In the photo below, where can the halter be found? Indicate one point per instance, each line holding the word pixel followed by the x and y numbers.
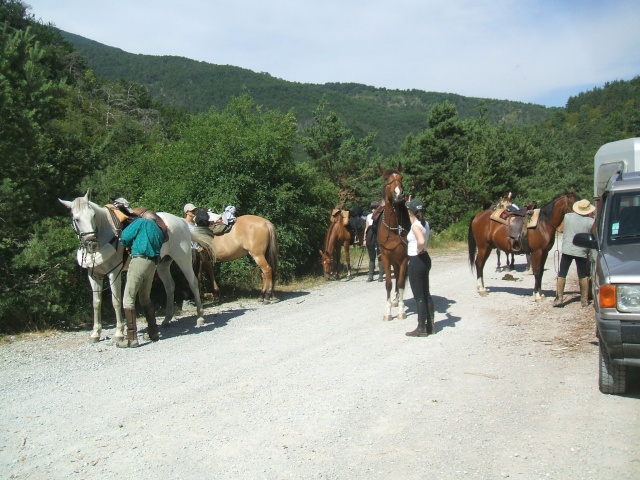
pixel 399 228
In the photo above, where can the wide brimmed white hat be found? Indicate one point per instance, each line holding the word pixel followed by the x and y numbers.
pixel 583 207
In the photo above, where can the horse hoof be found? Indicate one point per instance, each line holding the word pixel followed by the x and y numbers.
pixel 97 339
pixel 402 316
pixel 483 293
pixel 387 318
pixel 200 322
pixel 118 338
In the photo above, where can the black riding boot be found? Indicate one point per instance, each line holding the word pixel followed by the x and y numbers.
pixel 152 327
pixel 421 330
pixel 432 315
pixel 372 267
pixel 380 270
pixel 132 330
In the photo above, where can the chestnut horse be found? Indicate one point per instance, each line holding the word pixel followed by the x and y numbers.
pixel 392 228
pixel 250 235
pixel 486 234
pixel 338 236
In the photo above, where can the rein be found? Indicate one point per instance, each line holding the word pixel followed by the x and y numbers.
pixel 390 229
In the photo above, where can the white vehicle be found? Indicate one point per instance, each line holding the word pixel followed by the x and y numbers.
pixel 614 157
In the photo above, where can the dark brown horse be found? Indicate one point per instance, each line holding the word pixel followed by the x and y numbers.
pixel 337 237
pixel 392 228
pixel 486 234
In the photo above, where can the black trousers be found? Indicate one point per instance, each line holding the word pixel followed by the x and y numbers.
pixel 419 268
pixel 582 265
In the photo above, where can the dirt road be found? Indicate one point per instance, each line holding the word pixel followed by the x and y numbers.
pixel 318 386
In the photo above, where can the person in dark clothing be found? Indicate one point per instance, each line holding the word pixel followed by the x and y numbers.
pixel 371 243
pixel 419 268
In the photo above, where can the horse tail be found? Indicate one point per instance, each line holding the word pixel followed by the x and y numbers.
pixel 471 240
pixel 272 251
pixel 204 237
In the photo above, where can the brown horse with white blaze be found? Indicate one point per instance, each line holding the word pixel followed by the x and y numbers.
pixel 392 228
pixel 486 234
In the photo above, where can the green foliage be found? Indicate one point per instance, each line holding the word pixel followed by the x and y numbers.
pixel 337 155
pixel 48 287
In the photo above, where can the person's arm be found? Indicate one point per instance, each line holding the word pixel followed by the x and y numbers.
pixel 417 231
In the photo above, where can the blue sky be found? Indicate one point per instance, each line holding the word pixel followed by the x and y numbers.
pixel 538 51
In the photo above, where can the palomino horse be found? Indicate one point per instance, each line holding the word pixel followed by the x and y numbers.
pixel 250 235
pixel 338 236
pixel 486 234
pixel 392 228
pixel 101 253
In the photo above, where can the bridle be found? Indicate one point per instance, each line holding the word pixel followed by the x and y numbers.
pixel 399 229
pixel 89 244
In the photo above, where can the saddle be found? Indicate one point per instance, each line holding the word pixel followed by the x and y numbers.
pixel 518 221
pixel 344 215
pixel 122 216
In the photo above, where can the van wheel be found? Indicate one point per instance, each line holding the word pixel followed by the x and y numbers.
pixel 613 377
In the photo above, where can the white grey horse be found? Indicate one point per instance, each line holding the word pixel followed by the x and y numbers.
pixel 101 254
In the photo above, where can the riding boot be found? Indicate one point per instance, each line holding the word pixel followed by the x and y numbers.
pixel 152 328
pixel 372 267
pixel 432 315
pixel 421 330
pixel 132 330
pixel 584 291
pixel 559 292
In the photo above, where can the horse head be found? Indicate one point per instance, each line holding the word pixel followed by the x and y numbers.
pixel 83 221
pixel 393 189
pixel 326 259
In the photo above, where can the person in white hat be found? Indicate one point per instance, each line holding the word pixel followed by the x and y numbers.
pixel 578 221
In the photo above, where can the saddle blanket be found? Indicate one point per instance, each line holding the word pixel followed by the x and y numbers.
pixel 501 216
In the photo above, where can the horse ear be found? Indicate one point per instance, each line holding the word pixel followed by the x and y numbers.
pixel 66 203
pixel 87 196
pixel 399 167
pixel 381 170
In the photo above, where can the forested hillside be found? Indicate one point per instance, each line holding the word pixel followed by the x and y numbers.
pixel 67 129
pixel 197 86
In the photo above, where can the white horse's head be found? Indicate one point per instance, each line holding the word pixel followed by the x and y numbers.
pixel 84 223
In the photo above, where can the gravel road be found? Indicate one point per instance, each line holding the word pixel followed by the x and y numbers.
pixel 317 386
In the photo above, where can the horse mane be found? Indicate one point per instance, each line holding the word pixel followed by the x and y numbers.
pixel 546 212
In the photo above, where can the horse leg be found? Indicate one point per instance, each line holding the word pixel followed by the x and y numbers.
pixel 387 271
pixel 400 282
pixel 481 259
pixel 498 255
pixel 209 268
pixel 185 265
pixel 267 278
pixel 115 280
pixel 164 272
pixel 528 271
pixel 347 259
pixel 538 259
pixel 96 288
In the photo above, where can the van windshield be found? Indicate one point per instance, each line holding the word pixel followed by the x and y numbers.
pixel 623 218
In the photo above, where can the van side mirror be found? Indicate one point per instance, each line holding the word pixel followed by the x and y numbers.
pixel 585 240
